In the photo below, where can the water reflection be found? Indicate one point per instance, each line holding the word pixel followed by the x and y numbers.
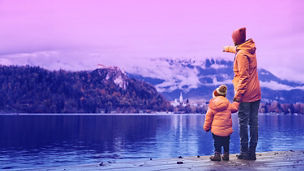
pixel 39 141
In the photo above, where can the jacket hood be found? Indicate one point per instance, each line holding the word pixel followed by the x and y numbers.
pixel 248 46
pixel 219 103
pixel 239 36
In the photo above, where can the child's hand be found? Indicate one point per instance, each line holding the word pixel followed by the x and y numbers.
pixel 207 130
pixel 236 100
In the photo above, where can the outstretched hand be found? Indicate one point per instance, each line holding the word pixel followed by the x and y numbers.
pixel 225 49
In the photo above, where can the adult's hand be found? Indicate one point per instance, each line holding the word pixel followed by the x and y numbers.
pixel 236 99
pixel 231 49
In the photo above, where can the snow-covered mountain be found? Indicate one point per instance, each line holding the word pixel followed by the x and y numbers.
pixel 196 79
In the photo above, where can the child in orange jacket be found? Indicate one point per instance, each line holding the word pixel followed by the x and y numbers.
pixel 218 120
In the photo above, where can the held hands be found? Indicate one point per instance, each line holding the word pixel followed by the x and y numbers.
pixel 236 100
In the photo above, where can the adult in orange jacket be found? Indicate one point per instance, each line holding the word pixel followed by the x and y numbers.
pixel 218 120
pixel 247 90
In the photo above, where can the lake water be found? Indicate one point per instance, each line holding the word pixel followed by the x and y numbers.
pixel 30 141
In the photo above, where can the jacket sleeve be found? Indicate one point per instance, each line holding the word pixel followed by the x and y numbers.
pixel 243 68
pixel 208 119
pixel 234 107
pixel 231 49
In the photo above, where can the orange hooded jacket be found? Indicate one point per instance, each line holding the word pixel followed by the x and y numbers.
pixel 246 83
pixel 218 116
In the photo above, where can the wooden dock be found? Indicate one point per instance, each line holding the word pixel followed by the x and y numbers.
pixel 280 160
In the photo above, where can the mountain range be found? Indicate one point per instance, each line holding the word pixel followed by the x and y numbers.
pixel 196 79
pixel 140 88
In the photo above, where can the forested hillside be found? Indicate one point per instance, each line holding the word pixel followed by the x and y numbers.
pixel 36 90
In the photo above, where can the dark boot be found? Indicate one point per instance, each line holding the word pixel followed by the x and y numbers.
pixel 244 152
pixel 225 157
pixel 216 157
pixel 251 154
pixel 242 156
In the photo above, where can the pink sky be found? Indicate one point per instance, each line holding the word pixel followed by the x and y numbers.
pixel 84 32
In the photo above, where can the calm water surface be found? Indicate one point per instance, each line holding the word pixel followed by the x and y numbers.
pixel 30 141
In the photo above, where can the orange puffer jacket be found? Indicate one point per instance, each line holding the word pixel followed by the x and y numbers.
pixel 218 116
pixel 246 83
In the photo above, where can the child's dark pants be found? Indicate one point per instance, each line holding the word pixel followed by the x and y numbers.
pixel 220 141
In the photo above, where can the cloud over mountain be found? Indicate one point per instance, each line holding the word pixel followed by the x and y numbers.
pixel 198 78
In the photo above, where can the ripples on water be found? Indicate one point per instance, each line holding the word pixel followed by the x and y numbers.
pixel 28 141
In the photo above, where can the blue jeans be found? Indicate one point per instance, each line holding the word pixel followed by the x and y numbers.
pixel 248 115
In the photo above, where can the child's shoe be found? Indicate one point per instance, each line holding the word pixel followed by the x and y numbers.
pixel 225 156
pixel 216 157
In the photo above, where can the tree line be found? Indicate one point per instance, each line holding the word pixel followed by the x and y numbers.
pixel 31 89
